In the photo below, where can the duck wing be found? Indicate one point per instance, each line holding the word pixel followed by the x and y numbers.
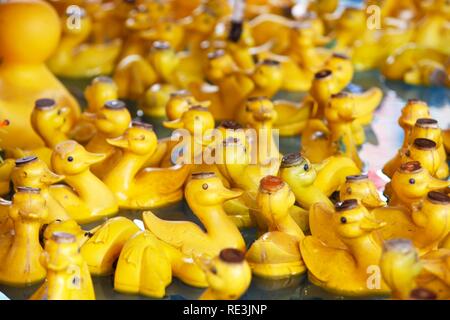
pixel 186 236
pixel 164 180
pixel 398 222
pixel 321 225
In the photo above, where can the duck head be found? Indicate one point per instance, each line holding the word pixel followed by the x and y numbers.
pixel 33 172
pixel 165 31
pixel 323 86
pixel 179 102
pixel 435 204
pixel 413 182
pixel 48 117
pixel 400 266
pixel 197 119
pixel 297 170
pixel 67 226
pixel 113 119
pixel 427 128
pixel 202 21
pixel 220 64
pixel 425 151
pixel 70 158
pixel 340 108
pixel 360 187
pixel 259 109
pixel 83 26
pixel 302 35
pixel 351 19
pixel 101 90
pixel 228 274
pixel 274 198
pixel 28 204
pixel 140 139
pixel 268 75
pixel 342 68
pixel 60 250
pixel 231 130
pixel 413 110
pixel 353 220
pixel 164 59
pixel 206 189
pixel 231 153
pixel 139 18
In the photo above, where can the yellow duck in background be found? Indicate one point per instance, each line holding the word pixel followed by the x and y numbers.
pixel 360 187
pixel 137 188
pixel 356 228
pixel 67 226
pixel 68 275
pixel 180 102
pixel 446 138
pixel 73 161
pixel 33 172
pixel 427 225
pixel 75 58
pixel 228 275
pixel 411 112
pixel 110 122
pixel 205 195
pixel 24 76
pixel 21 266
pixel 276 253
pixel 6 167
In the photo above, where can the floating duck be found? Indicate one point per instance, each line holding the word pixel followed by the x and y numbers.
pixel 21 266
pixel 67 226
pixel 24 77
pixel 313 183
pixel 179 102
pixel 446 137
pixel 71 160
pixel 33 172
pixel 411 112
pixel 276 253
pixel 205 195
pixel 356 228
pixel 228 275
pixel 75 58
pixel 110 122
pixel 427 225
pixel 68 275
pixel 410 183
pixel 360 187
pixel 148 187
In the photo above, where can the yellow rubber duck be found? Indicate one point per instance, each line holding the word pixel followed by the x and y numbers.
pixel 24 77
pixel 313 183
pixel 33 172
pixel 67 226
pixel 411 112
pixel 345 270
pixel 180 102
pixel 205 195
pixel 20 250
pixel 155 99
pixel 146 188
pixel 71 160
pixel 410 183
pixel 427 225
pixel 6 167
pixel 360 187
pixel 446 137
pixel 276 253
pixel 75 58
pixel 228 275
pixel 110 122
pixel 316 144
pixel 68 276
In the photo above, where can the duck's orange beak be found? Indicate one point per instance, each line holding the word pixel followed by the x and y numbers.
pixel 93 158
pixel 119 142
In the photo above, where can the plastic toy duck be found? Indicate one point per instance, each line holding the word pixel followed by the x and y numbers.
pixel 71 160
pixel 33 172
pixel 360 187
pixel 276 253
pixel 228 275
pixel 149 187
pixel 68 276
pixel 180 102
pixel 205 195
pixel 313 183
pixel 155 98
pixel 411 112
pixel 425 151
pixel 356 227
pixel 446 137
pixel 111 122
pixel 410 183
pixel 6 167
pixel 20 250
pixel 75 58
pixel 267 78
pixel 427 225
pixel 316 144
pixel 24 77
pixel 67 226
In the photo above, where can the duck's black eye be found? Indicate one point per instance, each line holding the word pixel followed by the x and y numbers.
pixel 70 158
pixel 343 220
pixel 412 181
pixel 213 270
pixel 59 112
pixel 306 167
pixel 205 186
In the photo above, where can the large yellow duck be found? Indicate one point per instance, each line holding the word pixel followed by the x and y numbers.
pixel 148 187
pixel 75 58
pixel 205 195
pixel 71 160
pixel 68 275
pixel 20 249
pixel 276 253
pixel 346 270
pixel 24 77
